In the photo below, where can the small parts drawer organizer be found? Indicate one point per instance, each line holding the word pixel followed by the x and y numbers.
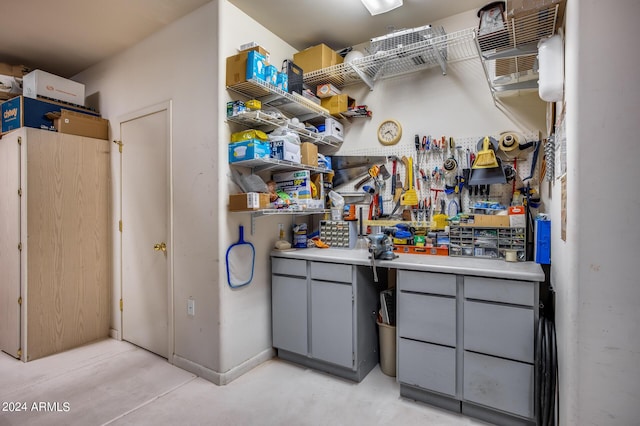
pixel 491 243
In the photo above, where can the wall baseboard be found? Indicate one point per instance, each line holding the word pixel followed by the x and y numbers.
pixel 114 334
pixel 227 377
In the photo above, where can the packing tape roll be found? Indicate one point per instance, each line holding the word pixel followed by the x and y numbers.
pixel 509 142
pixel 511 255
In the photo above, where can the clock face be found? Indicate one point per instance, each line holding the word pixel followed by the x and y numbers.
pixel 389 132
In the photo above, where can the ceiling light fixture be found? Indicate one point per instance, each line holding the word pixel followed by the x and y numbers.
pixel 376 7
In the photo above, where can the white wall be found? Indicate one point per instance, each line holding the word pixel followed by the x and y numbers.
pixel 245 324
pixel 594 270
pixel 185 63
pixel 178 63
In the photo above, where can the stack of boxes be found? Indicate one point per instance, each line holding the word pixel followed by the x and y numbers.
pixel 46 101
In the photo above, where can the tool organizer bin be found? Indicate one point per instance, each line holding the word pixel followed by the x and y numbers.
pixel 491 243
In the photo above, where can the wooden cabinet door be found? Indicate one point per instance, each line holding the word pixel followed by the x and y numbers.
pixel 9 240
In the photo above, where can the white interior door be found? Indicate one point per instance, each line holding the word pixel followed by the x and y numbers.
pixel 146 245
pixel 10 237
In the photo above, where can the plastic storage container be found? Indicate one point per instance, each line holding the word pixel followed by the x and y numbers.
pixel 387 335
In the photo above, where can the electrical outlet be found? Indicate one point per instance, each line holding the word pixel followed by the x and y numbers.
pixel 191 307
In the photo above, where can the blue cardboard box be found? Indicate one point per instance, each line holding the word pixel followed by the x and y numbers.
pixel 248 150
pixel 256 65
pixel 282 81
pixel 27 112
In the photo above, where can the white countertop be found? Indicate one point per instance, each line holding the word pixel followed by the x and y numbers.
pixel 527 271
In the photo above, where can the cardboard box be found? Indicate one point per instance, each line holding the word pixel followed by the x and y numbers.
pixel 41 83
pixel 13 70
pixel 296 184
pixel 248 150
pixel 338 103
pixel 237 66
pixel 309 153
pixel 518 8
pixel 326 90
pixel 491 221
pixel 333 130
pixel 316 57
pixel 248 201
pixel 22 111
pixel 517 218
pixel 256 66
pixel 283 149
pixel 75 123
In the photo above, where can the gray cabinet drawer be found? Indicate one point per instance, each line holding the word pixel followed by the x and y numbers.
pixel 498 290
pixel 498 383
pixel 293 267
pixel 428 366
pixel 504 331
pixel 335 272
pixel 427 318
pixel 427 282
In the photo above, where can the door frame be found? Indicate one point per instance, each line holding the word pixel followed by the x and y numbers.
pixel 162 106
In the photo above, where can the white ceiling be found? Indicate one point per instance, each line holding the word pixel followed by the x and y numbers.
pixel 65 37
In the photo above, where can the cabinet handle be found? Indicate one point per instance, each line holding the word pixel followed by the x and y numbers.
pixel 160 247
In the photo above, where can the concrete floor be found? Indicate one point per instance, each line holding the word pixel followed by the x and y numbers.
pixel 116 383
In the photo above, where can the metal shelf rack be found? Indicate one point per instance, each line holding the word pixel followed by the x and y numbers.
pixel 263 119
pixel 432 52
pixel 508 56
pixel 291 104
pixel 271 164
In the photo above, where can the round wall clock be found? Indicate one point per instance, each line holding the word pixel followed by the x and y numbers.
pixel 389 132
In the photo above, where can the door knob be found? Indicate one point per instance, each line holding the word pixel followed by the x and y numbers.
pixel 160 247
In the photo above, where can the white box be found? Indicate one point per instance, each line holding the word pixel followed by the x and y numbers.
pixel 284 149
pixel 333 130
pixel 41 83
pixel 517 220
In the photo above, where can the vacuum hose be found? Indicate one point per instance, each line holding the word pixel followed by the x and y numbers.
pixel 546 377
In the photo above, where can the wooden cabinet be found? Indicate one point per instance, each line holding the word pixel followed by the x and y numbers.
pixel 323 316
pixel 54 242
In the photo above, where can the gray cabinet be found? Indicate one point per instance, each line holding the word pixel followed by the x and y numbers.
pixel 332 322
pixel 323 316
pixel 289 313
pixel 427 331
pixel 467 344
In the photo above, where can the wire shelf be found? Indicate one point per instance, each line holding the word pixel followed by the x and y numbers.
pixel 433 52
pixel 273 164
pixel 265 119
pixel 509 55
pixel 291 104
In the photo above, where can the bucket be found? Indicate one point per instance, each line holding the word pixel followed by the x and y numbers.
pixel 387 335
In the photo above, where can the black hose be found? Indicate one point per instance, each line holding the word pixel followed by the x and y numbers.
pixel 546 377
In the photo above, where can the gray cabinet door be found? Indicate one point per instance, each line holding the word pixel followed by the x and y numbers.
pixel 289 313
pixel 498 383
pixel 428 366
pixel 332 322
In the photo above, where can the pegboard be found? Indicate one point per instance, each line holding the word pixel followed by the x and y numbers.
pixel 433 160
